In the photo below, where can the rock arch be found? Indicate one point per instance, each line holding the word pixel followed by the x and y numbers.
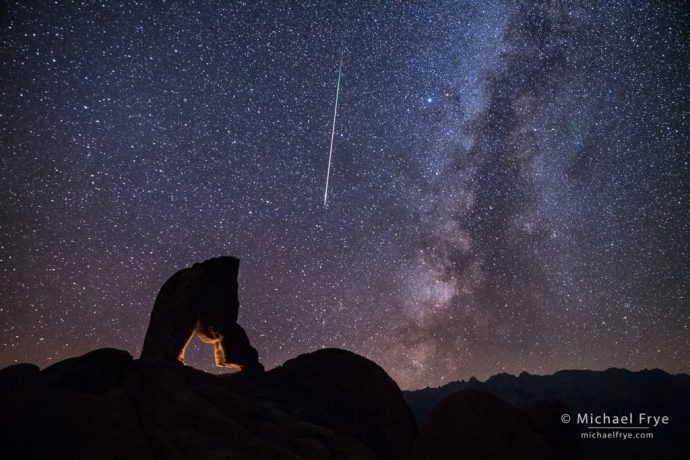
pixel 200 301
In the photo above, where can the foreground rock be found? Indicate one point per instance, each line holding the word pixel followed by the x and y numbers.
pixel 476 425
pixel 612 391
pixel 95 372
pixel 349 394
pixel 41 420
pixel 331 404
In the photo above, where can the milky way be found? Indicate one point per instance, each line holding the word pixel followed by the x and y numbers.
pixel 510 192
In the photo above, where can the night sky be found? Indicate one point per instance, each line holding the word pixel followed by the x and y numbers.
pixel 509 188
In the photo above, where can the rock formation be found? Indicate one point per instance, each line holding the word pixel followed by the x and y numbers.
pixel 612 391
pixel 478 425
pixel 200 301
pixel 327 405
pixel 330 404
pixel 349 394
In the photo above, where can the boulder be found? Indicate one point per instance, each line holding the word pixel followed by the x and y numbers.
pixel 348 394
pixel 19 374
pixel 41 421
pixel 474 424
pixel 187 422
pixel 95 372
pixel 545 417
pixel 327 405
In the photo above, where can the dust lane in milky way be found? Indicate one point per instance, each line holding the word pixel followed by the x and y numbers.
pixel 511 190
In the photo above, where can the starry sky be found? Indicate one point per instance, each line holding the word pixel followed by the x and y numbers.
pixel 509 188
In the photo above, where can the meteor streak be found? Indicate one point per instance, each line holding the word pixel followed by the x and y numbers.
pixel 335 115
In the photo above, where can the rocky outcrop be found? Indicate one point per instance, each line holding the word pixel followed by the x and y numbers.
pixel 349 394
pixel 331 404
pixel 325 405
pixel 95 372
pixel 19 374
pixel 612 391
pixel 45 415
pixel 200 301
pixel 477 425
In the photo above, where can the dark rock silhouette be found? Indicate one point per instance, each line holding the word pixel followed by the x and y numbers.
pixel 349 394
pixel 200 301
pixel 477 425
pixel 331 404
pixel 46 415
pixel 326 405
pixel 19 374
pixel 613 391
pixel 95 372
pixel 161 409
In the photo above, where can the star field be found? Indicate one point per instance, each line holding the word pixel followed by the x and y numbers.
pixel 509 189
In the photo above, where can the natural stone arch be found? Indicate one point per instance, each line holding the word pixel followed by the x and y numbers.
pixel 200 301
